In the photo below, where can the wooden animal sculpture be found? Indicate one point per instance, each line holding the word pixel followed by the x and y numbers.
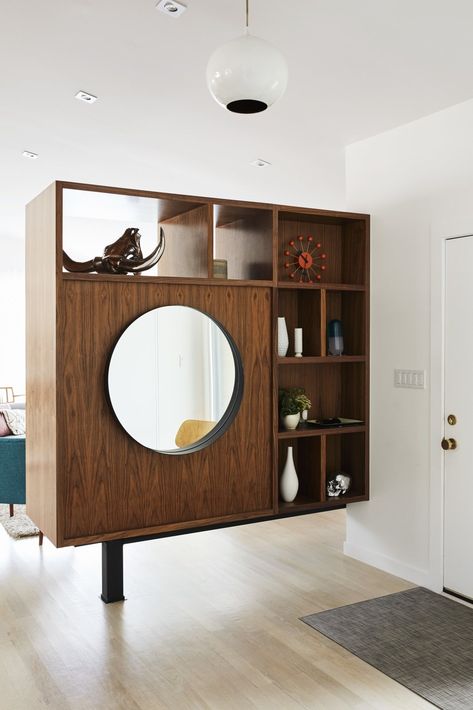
pixel 122 257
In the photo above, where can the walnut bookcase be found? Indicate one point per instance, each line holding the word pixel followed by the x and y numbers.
pixel 336 386
pixel 87 480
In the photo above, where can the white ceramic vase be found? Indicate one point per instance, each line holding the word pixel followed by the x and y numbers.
pixel 290 421
pixel 283 338
pixel 298 342
pixel 289 483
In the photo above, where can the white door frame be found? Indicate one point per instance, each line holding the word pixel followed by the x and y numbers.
pixel 439 234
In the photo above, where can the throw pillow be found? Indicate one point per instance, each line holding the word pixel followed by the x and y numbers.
pixel 4 428
pixel 15 418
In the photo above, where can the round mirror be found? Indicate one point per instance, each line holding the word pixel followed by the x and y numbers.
pixel 175 379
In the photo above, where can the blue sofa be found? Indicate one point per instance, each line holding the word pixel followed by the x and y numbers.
pixel 12 470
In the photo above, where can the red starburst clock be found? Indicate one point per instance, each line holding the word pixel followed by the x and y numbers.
pixel 304 259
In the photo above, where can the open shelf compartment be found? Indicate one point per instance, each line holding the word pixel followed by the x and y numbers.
pixel 347 454
pixel 349 308
pixel 94 219
pixel 336 390
pixel 243 237
pixel 343 242
pixel 301 309
pixel 187 239
pixel 307 461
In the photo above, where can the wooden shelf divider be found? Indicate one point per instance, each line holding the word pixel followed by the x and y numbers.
pixel 320 431
pixel 336 385
pixel 321 286
pixel 320 360
pixel 323 322
pixel 98 484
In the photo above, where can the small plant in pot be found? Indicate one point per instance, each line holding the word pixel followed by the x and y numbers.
pixel 292 402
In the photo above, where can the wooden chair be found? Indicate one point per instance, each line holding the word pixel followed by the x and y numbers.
pixel 191 430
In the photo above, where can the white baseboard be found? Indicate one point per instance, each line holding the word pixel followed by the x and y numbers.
pixel 422 577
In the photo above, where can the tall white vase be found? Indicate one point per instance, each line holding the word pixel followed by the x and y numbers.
pixel 289 483
pixel 283 337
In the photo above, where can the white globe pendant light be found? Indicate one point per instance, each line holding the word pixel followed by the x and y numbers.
pixel 247 74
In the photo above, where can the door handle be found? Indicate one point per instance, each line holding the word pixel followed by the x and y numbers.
pixel 448 444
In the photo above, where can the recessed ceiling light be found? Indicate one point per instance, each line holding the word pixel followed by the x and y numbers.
pixel 260 163
pixel 30 155
pixel 171 7
pixel 84 96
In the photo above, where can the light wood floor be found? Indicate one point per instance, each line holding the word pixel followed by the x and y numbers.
pixel 210 621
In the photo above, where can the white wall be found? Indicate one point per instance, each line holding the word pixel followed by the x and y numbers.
pixel 417 183
pixel 12 315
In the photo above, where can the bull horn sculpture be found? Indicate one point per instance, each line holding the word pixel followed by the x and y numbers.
pixel 122 257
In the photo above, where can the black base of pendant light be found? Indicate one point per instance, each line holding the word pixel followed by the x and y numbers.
pixel 247 106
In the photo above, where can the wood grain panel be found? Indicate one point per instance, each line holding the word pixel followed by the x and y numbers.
pixel 323 468
pixel 354 390
pixel 349 307
pixel 160 280
pixel 303 432
pixel 111 483
pixel 329 236
pixel 186 244
pixel 41 362
pixel 274 384
pixel 323 322
pixel 366 486
pixel 320 286
pixel 354 252
pixel 247 245
pixel 307 461
pixel 347 453
pixel 320 360
pixel 170 209
pixel 226 214
pixel 309 467
pixel 322 385
pixel 335 390
pixel 345 245
pixel 302 309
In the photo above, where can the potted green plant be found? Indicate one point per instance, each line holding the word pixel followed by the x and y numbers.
pixel 292 402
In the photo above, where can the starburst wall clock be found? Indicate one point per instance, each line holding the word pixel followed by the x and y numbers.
pixel 304 259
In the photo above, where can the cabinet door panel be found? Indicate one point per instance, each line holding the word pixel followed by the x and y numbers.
pixel 111 483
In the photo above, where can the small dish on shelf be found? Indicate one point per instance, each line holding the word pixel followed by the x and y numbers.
pixel 335 421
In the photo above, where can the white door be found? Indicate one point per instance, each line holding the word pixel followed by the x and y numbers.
pixel 458 522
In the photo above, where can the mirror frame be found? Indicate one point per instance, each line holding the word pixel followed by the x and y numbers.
pixel 233 406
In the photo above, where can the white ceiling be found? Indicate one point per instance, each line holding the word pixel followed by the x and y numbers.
pixel 356 68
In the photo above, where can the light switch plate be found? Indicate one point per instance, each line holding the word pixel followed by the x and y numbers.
pixel 412 379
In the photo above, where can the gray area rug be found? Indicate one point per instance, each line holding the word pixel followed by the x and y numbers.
pixel 19 525
pixel 420 639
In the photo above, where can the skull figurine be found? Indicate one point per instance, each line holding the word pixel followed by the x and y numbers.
pixel 339 485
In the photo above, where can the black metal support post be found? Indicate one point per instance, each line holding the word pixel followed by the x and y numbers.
pixel 112 571
pixel 112 551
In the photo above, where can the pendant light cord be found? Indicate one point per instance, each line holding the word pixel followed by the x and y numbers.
pixel 247 14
